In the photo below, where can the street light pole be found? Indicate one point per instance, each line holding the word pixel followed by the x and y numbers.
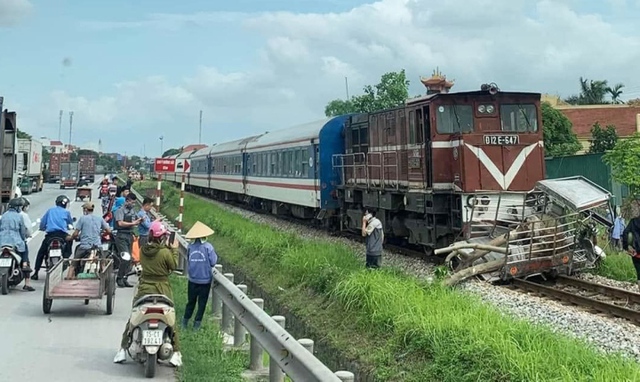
pixel 161 145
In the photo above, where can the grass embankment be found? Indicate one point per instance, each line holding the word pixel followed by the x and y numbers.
pixel 202 354
pixel 617 266
pixel 391 322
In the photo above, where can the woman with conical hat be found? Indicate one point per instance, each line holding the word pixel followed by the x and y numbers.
pixel 202 258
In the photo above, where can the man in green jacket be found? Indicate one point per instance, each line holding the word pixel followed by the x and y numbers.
pixel 158 260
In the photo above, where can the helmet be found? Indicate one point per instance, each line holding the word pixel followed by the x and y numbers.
pixel 16 203
pixel 26 202
pixel 62 201
pixel 158 229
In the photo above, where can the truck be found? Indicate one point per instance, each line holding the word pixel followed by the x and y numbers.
pixel 8 135
pixel 29 165
pixel 88 167
pixel 54 165
pixel 69 174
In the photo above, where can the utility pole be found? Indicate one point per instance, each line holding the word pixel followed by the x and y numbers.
pixel 200 131
pixel 346 85
pixel 161 144
pixel 60 126
pixel 70 127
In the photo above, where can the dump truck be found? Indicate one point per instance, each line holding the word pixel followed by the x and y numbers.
pixel 69 174
pixel 88 167
pixel 29 165
pixel 55 160
pixel 8 129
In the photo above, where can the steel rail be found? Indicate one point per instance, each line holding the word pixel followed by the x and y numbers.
pixel 576 299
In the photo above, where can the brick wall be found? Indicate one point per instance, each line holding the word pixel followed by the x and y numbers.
pixel 625 118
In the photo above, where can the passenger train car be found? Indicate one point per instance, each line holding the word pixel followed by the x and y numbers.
pixel 419 165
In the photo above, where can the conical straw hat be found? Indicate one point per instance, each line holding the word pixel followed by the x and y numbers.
pixel 198 231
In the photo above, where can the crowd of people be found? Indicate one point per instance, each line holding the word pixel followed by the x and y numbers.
pixel 158 257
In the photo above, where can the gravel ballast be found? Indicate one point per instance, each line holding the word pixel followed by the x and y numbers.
pixel 607 334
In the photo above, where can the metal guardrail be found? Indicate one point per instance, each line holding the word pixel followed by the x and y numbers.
pixel 267 333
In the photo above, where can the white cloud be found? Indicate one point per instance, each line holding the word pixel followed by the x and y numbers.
pixel 523 45
pixel 13 11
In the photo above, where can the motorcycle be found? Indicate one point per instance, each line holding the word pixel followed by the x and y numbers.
pixel 11 273
pixel 55 249
pixel 151 329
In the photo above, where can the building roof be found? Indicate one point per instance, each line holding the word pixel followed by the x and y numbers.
pixel 193 147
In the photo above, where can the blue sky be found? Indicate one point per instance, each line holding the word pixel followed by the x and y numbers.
pixel 140 69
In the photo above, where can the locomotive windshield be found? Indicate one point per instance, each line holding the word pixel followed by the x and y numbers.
pixel 519 118
pixel 454 119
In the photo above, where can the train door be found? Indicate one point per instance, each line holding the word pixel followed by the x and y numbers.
pixel 244 170
pixel 209 170
pixel 426 135
pixel 416 155
pixel 314 161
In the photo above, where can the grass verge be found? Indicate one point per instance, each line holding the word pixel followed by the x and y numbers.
pixel 403 329
pixel 617 266
pixel 202 351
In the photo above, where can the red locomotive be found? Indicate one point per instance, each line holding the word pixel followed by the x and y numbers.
pixel 420 165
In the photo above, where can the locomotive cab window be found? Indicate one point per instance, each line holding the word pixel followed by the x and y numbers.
pixel 451 119
pixel 519 118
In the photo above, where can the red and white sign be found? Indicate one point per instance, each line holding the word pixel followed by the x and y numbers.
pixel 165 165
pixel 183 165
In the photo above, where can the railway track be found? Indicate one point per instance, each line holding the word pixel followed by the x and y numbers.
pixel 592 296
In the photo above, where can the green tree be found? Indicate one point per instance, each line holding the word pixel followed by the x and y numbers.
pixel 559 138
pixel 22 135
pixel 602 139
pixel 391 91
pixel 171 152
pixel 595 93
pixel 624 160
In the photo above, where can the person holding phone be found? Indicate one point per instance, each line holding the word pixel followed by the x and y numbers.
pixel 125 220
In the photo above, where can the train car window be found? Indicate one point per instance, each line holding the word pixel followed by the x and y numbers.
pixel 412 127
pixel 452 119
pixel 305 163
pixel 519 118
pixel 296 163
pixel 287 163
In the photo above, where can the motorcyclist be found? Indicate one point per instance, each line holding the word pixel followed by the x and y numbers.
pixel 88 228
pixel 54 223
pixel 13 232
pixel 158 259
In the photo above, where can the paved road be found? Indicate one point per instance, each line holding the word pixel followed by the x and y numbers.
pixel 76 342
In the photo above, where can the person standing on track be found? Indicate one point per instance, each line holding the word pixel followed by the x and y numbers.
pixel 54 223
pixel 374 234
pixel 125 219
pixel 202 258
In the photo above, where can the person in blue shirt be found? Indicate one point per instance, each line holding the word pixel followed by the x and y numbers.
pixel 202 258
pixel 145 224
pixel 13 232
pixel 54 224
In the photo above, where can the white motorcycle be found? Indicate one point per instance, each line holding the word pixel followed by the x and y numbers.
pixel 11 273
pixel 151 329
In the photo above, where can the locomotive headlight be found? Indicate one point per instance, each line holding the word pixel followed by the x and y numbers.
pixel 481 109
pixel 490 109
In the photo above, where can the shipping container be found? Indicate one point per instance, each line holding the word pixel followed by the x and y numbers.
pixel 69 174
pixel 591 167
pixel 54 166
pixel 88 167
pixel 29 165
pixel 8 129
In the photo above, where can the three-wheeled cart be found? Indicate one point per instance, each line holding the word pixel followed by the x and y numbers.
pixel 83 193
pixel 86 286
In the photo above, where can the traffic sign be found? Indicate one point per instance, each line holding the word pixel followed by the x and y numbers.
pixel 183 165
pixel 164 165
